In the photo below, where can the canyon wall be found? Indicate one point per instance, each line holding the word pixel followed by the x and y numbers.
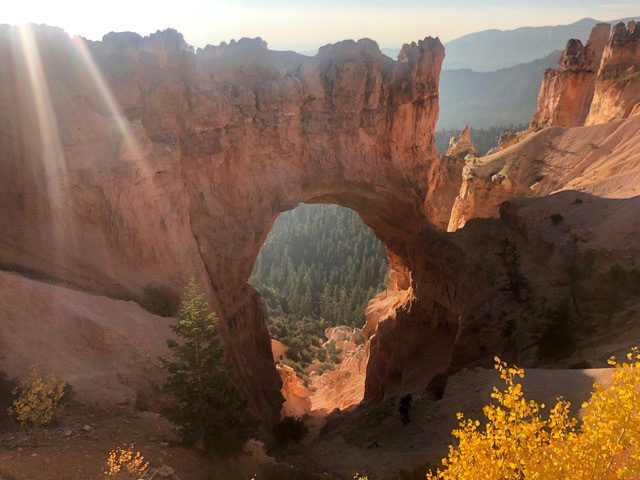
pixel 596 83
pixel 133 163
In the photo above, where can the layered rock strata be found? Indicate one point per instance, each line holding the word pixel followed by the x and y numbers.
pixel 133 163
pixel 596 83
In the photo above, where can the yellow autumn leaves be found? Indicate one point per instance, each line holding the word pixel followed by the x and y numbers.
pixel 518 441
pixel 126 463
pixel 37 399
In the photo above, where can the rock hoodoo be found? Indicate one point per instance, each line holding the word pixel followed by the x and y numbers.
pixel 596 83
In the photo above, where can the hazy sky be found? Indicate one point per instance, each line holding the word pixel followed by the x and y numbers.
pixel 307 24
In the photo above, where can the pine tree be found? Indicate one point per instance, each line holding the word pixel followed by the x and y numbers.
pixel 210 413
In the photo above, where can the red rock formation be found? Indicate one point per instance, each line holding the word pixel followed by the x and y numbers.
pixel 600 160
pixel 566 93
pixel 297 397
pixel 136 161
pixel 617 91
pixel 445 178
pixel 343 386
pixel 105 349
pixel 597 83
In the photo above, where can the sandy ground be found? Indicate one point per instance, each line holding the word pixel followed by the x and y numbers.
pixel 78 446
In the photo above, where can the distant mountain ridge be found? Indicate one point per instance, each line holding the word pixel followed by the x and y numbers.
pixel 489 99
pixel 494 49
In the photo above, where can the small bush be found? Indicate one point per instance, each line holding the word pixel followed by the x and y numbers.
pixel 38 399
pixel 324 367
pixel 290 429
pixel 577 201
pixel 126 463
pixel 556 218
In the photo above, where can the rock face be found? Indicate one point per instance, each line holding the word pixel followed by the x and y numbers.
pixel 131 164
pixel 105 349
pixel 617 92
pixel 136 162
pixel 343 386
pixel 297 399
pixel 596 83
pixel 566 93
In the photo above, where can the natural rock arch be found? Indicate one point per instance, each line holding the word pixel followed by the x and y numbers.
pixel 180 166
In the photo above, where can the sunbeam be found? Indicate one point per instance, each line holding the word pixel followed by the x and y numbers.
pixel 132 149
pixel 51 155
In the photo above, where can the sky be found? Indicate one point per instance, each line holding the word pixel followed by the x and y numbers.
pixel 307 24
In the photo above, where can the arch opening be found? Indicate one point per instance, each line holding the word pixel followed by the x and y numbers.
pixel 316 273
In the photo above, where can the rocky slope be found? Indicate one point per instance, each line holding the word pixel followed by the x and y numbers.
pixel 105 349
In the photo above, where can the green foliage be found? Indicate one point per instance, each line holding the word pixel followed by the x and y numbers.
pixel 319 268
pixel 324 367
pixel 210 411
pixel 484 139
pixel 557 338
pixel 486 99
pixel 290 429
pixel 516 283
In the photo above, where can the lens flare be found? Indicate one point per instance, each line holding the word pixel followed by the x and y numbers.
pixel 49 151
pixel 107 98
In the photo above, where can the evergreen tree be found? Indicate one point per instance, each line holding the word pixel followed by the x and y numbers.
pixel 210 411
pixel 319 267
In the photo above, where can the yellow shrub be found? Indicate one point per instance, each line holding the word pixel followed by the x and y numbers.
pixel 37 398
pixel 126 463
pixel 518 442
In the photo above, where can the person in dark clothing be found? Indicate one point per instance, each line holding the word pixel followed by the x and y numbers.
pixel 405 406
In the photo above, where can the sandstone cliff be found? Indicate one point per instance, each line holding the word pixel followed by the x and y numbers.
pixel 130 164
pixel 596 83
pixel 137 162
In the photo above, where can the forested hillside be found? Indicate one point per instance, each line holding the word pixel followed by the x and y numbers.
pixel 488 99
pixel 492 49
pixel 484 139
pixel 319 267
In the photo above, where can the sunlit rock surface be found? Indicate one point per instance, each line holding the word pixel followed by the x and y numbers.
pixel 137 162
pixel 596 83
pixel 129 165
